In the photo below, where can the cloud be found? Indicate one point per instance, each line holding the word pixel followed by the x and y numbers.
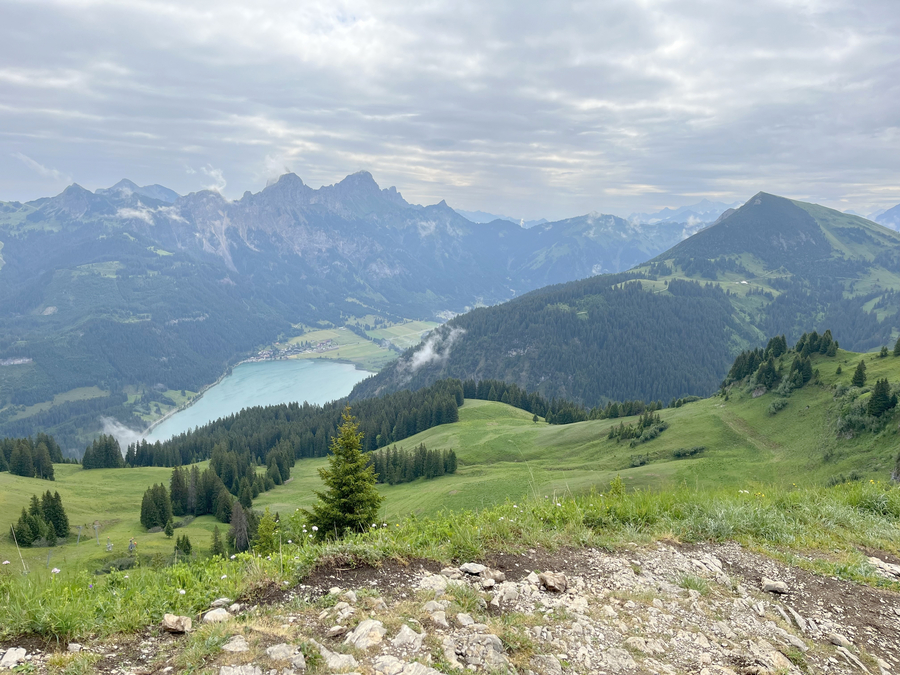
pixel 124 435
pixel 143 213
pixel 435 350
pixel 218 177
pixel 531 108
pixel 40 168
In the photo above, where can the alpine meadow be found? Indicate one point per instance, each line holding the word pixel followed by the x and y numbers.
pixel 443 339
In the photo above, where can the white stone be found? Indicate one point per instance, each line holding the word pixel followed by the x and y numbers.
pixel 472 568
pixel 240 670
pixel 216 615
pixel 434 582
pixel 172 623
pixel 546 665
pixel 464 619
pixel 408 639
pixel 280 652
pixel 220 602
pixel 236 644
pixel 440 619
pixel 12 657
pixel 74 647
pixel 770 586
pixel 367 634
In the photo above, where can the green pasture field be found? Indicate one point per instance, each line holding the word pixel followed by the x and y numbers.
pixel 505 456
pixel 404 335
pixel 111 497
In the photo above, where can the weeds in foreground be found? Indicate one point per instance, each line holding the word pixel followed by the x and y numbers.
pixel 836 520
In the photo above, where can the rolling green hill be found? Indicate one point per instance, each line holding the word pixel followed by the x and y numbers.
pixel 671 327
pixel 504 455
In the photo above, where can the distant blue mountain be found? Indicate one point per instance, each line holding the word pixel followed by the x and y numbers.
pixel 158 192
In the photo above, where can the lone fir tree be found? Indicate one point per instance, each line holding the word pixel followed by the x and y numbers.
pixel 859 376
pixel 350 503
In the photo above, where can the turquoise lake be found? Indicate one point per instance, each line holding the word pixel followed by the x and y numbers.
pixel 264 383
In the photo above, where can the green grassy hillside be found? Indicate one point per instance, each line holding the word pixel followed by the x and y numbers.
pixel 111 497
pixel 504 455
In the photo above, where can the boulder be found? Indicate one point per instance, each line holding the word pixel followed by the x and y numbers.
pixel 236 645
pixel 334 661
pixel 472 568
pixel 391 665
pixel 173 623
pixel 555 582
pixel 74 647
pixel 216 615
pixel 440 619
pixel 433 582
pixel 298 661
pixel 280 652
pixel 464 619
pixel 240 670
pixel 770 586
pixel 221 602
pixel 546 665
pixel 12 657
pixel 367 634
pixel 408 639
pixel 839 640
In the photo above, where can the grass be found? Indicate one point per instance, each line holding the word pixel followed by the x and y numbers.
pixel 109 497
pixel 351 348
pixel 826 524
pixel 404 335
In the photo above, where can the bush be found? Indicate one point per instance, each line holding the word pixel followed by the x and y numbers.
pixel 777 405
pixel 682 453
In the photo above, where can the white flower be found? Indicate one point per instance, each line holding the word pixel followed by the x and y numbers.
pixel 125 577
pixel 310 536
pixel 285 583
pixel 374 525
pixel 233 556
pixel 55 570
pixel 181 591
pixel 515 507
pixel 558 504
pixel 6 562
pixel 315 528
pixel 290 542
pixel 224 576
pixel 501 517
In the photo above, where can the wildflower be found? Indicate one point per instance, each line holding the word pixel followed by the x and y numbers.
pixel 224 576
pixel 310 536
pixel 515 507
pixel 6 562
pixel 55 570
pixel 290 542
pixel 181 591
pixel 125 577
pixel 233 556
pixel 374 525
pixel 384 524
pixel 558 504
pixel 315 528
pixel 501 517
pixel 285 583
pixel 90 585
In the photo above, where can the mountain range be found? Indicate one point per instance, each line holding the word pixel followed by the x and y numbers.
pixel 136 289
pixel 670 327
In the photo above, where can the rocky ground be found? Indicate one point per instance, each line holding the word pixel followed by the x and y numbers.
pixel 667 608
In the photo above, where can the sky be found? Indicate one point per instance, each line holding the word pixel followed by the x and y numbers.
pixel 532 109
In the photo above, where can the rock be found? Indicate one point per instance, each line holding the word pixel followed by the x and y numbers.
pixel 220 602
pixel 472 568
pixel 234 608
pixel 449 651
pixel 555 582
pixel 434 582
pixel 799 620
pixel 546 665
pixel 507 593
pixel 12 657
pixel 367 634
pixel 851 659
pixel 236 644
pixel 172 623
pixel 839 640
pixel 770 586
pixel 280 652
pixel 618 659
pixel 74 647
pixel 349 596
pixel 717 670
pixel 216 615
pixel 375 604
pixel 432 606
pixel 533 579
pixel 408 639
pixel 464 619
pixel 483 649
pixel 391 665
pixel 298 661
pixel 336 631
pixel 240 670
pixel 488 583
pixel 334 590
pixel 440 619
pixel 335 661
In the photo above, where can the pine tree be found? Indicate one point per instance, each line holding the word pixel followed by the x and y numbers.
pixel 169 528
pixel 240 530
pixel 43 465
pixel 217 549
pixel 351 500
pixel 178 491
pixel 266 539
pixel 60 520
pixel 897 347
pixel 883 353
pixel 20 462
pixel 859 377
pixel 880 400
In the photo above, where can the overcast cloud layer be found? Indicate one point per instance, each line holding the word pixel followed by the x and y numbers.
pixel 532 109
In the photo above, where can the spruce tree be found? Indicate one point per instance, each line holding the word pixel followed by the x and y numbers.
pixel 178 491
pixel 351 500
pixel 897 347
pixel 859 377
pixel 169 529
pixel 217 549
pixel 880 400
pixel 266 534
pixel 20 462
